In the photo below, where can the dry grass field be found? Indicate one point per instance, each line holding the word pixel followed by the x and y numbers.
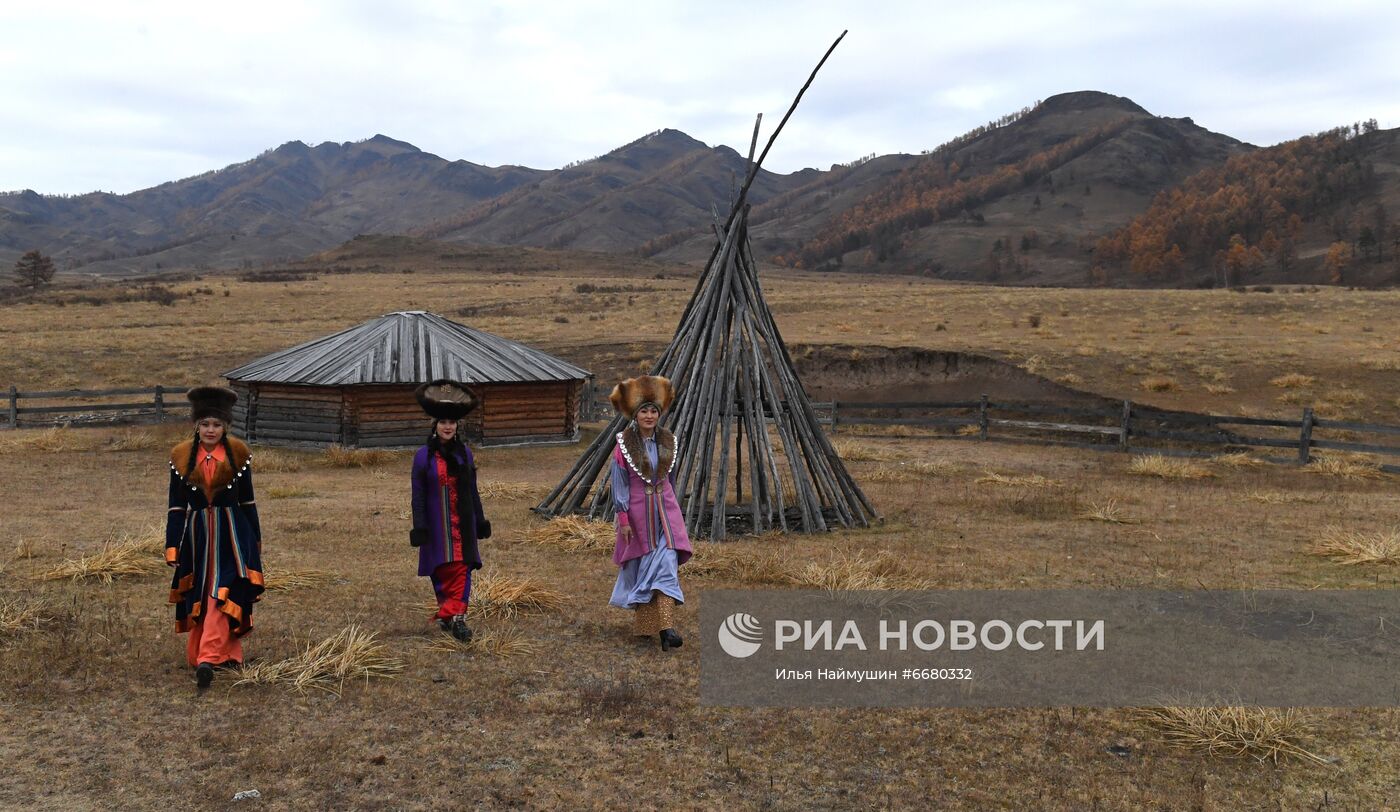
pixel 559 707
pixel 1215 350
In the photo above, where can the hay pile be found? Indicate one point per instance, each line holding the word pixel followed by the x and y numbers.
pixel 350 654
pixel 134 440
pixel 136 554
pixel 21 615
pixel 1266 734
pixel 758 561
pixel 1164 467
pixel 1354 547
pixel 573 533
pixel 506 596
pixel 1345 466
pixel 286 580
pixel 507 490
pixel 856 571
pixel 503 643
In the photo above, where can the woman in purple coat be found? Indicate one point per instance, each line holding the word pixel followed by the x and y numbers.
pixel 447 515
pixel 651 537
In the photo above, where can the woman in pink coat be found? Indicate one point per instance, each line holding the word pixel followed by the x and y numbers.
pixel 651 538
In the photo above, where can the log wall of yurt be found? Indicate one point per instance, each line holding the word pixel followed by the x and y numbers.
pixel 284 415
pixel 529 411
pixel 240 410
pixel 389 416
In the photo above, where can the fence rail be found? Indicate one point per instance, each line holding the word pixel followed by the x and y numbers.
pixel 155 407
pixel 1119 426
pixel 1123 426
pixel 1111 427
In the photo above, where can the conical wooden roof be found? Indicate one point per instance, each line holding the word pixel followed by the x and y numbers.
pixel 407 347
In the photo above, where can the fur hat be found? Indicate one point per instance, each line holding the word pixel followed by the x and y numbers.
pixel 632 394
pixel 212 401
pixel 445 399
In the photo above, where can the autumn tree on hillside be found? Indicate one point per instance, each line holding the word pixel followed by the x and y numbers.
pixel 1338 261
pixel 34 270
pixel 936 189
pixel 1232 218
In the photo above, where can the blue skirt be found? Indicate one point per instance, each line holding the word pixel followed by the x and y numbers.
pixel 657 570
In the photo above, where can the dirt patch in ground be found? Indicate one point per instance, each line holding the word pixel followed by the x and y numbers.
pixel 864 374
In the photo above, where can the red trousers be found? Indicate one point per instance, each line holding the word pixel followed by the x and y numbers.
pixel 452 582
pixel 211 640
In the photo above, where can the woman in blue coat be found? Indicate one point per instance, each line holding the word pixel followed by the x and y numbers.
pixel 447 515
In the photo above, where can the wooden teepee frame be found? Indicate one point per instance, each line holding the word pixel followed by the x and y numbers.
pixel 733 378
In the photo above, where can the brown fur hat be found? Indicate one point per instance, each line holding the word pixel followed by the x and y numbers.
pixel 212 401
pixel 632 394
pixel 445 399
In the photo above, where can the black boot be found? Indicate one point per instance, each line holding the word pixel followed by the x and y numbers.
pixel 460 630
pixel 670 640
pixel 203 675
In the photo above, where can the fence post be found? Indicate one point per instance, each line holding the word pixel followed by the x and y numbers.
pixel 160 403
pixel 982 419
pixel 834 421
pixel 1305 437
pixel 1124 424
pixel 14 407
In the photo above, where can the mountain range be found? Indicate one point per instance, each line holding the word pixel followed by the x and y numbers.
pixel 1025 199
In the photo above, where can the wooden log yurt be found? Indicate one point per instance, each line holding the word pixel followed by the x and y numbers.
pixel 355 388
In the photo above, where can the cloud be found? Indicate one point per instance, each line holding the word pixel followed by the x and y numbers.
pixel 124 96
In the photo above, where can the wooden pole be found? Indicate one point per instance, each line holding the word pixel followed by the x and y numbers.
pixel 982 418
pixel 739 458
pixel 718 529
pixel 767 483
pixel 160 404
pixel 1124 425
pixel 14 407
pixel 1305 437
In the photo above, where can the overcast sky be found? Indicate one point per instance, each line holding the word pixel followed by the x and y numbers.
pixel 122 96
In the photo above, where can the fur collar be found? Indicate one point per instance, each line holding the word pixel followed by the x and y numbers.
pixel 223 474
pixel 634 451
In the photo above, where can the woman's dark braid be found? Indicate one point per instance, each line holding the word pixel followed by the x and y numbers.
pixel 194 449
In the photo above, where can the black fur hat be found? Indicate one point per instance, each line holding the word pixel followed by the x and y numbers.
pixel 445 399
pixel 212 401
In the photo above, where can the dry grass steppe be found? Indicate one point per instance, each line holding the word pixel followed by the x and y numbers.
pixel 557 706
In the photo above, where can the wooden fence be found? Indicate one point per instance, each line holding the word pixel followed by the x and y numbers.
pixel 1111 427
pixel 1121 427
pixel 153 408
